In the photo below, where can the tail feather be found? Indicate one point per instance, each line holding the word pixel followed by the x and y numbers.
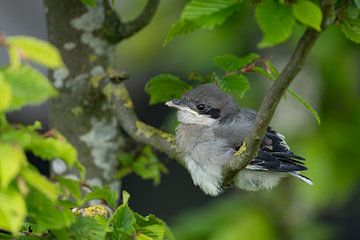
pixel 302 177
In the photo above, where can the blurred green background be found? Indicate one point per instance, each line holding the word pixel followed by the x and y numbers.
pixel 330 82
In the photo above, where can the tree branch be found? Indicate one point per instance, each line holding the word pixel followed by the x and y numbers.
pixel 115 30
pixel 254 139
pixel 141 132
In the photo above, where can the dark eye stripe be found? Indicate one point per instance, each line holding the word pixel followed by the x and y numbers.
pixel 214 113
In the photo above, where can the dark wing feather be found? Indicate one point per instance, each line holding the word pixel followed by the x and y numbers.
pixel 274 154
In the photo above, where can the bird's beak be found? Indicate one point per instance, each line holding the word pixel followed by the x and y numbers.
pixel 176 103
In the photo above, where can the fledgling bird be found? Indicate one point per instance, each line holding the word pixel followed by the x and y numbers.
pixel 212 127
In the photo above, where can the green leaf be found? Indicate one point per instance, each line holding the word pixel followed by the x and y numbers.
pixel 276 22
pixel 14 57
pixel 148 166
pixel 204 14
pixel 12 158
pixel 90 3
pixel 28 86
pixel 87 228
pixel 46 148
pixel 153 227
pixel 6 94
pixel 165 87
pixel 40 183
pixel 308 13
pixel 229 62
pixel 51 148
pixel 104 194
pixel 73 186
pixel 351 29
pixel 306 104
pixel 235 84
pixel 45 213
pixel 36 50
pixel 123 221
pixel 12 210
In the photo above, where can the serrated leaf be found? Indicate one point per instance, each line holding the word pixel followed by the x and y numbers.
pixel 87 228
pixel 102 193
pixel 12 210
pixel 235 84
pixel 165 87
pixel 40 183
pixel 306 104
pixel 153 227
pixel 36 50
pixel 125 197
pixel 28 86
pixel 123 221
pixel 47 215
pixel 45 148
pixel 71 185
pixel 351 29
pixel 204 14
pixel 11 160
pixel 276 22
pixel 51 148
pixel 308 13
pixel 229 62
pixel 90 3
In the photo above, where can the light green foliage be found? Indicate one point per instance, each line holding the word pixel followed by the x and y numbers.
pixel 46 148
pixel 351 29
pixel 235 84
pixel 102 193
pixel 230 62
pixel 90 3
pixel 40 183
pixel 6 93
pixel 165 87
pixel 125 224
pixel 28 86
pixel 36 50
pixel 276 22
pixel 145 164
pixel 88 228
pixel 205 14
pixel 308 13
pixel 12 210
pixel 44 214
pixel 70 187
pixel 12 159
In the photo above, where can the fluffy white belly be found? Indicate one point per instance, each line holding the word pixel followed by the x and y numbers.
pixel 209 182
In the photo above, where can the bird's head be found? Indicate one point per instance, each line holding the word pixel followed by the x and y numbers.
pixel 204 105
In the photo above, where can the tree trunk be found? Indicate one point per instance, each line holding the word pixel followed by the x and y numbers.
pixel 80 112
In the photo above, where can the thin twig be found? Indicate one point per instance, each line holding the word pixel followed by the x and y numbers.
pixel 115 30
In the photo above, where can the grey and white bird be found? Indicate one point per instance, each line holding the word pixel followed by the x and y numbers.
pixel 212 127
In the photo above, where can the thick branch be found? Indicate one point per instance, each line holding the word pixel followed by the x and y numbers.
pixel 115 30
pixel 272 98
pixel 123 110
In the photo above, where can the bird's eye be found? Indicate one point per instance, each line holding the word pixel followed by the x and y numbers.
pixel 200 107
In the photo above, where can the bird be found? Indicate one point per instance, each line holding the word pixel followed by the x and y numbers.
pixel 212 128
